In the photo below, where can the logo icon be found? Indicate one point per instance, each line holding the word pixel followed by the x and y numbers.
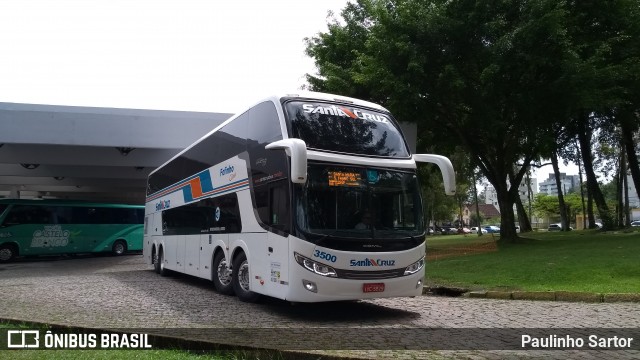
pixel 23 339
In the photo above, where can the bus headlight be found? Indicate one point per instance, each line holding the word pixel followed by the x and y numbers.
pixel 315 267
pixel 415 267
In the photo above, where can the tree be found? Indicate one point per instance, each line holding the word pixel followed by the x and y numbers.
pixel 549 206
pixel 491 74
pixel 607 49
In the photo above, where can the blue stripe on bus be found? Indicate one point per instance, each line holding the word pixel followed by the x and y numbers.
pixel 206 185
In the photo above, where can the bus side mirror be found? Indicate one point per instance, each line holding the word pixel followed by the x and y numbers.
pixel 296 149
pixel 448 175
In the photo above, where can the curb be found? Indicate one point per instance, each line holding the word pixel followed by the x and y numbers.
pixel 568 296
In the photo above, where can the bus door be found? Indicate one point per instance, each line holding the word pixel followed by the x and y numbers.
pixel 277 251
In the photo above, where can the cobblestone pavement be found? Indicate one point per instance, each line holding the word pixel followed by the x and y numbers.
pixel 123 292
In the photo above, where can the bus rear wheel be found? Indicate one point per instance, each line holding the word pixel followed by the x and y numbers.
pixel 160 269
pixel 119 248
pixel 7 253
pixel 156 261
pixel 222 275
pixel 241 279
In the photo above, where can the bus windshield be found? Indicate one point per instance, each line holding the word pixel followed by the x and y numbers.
pixel 345 129
pixel 357 202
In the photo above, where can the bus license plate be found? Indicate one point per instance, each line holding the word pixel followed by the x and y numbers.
pixel 375 287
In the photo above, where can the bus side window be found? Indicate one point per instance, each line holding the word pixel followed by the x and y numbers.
pixel 272 205
pixel 62 214
pixel 24 214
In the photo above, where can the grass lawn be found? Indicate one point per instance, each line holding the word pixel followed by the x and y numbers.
pixel 584 261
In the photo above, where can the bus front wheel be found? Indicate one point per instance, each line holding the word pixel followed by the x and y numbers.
pixel 7 253
pixel 222 276
pixel 241 279
pixel 119 248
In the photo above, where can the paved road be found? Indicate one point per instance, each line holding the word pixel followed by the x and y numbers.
pixel 109 292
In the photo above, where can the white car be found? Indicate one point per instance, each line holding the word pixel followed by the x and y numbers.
pixel 474 230
pixel 635 223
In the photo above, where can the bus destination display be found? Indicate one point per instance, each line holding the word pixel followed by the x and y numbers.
pixel 344 178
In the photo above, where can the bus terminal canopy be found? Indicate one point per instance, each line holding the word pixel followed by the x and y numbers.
pixel 87 153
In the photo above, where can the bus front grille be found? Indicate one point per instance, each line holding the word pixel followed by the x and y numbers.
pixel 370 275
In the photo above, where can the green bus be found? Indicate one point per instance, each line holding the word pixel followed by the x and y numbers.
pixel 53 227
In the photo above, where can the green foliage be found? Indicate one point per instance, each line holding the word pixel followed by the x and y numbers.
pixel 501 78
pixel 548 205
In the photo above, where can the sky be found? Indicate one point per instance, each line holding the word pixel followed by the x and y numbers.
pixel 214 56
pixel 211 56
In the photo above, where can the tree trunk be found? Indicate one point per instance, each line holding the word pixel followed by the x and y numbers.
pixel 530 200
pixel 475 193
pixel 523 218
pixel 620 192
pixel 591 216
pixel 584 137
pixel 507 217
pixel 625 187
pixel 563 208
pixel 628 129
pixel 584 209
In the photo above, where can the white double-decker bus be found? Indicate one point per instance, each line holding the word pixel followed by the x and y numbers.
pixel 310 197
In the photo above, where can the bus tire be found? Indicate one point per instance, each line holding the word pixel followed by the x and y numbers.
pixel 241 281
pixel 163 271
pixel 221 275
pixel 8 252
pixel 156 260
pixel 119 248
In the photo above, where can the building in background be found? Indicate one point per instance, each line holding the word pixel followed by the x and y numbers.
pixel 490 196
pixel 567 182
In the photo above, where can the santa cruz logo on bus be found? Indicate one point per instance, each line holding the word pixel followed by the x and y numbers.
pixel 344 112
pixel 372 262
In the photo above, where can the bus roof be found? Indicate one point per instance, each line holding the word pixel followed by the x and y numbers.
pixel 307 95
pixel 63 202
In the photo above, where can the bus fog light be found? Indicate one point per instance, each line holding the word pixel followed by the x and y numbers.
pixel 415 267
pixel 310 285
pixel 419 284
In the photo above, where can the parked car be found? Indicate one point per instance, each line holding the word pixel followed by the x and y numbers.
pixel 635 223
pixel 492 229
pixel 517 228
pixel 452 231
pixel 464 230
pixel 556 227
pixel 475 230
